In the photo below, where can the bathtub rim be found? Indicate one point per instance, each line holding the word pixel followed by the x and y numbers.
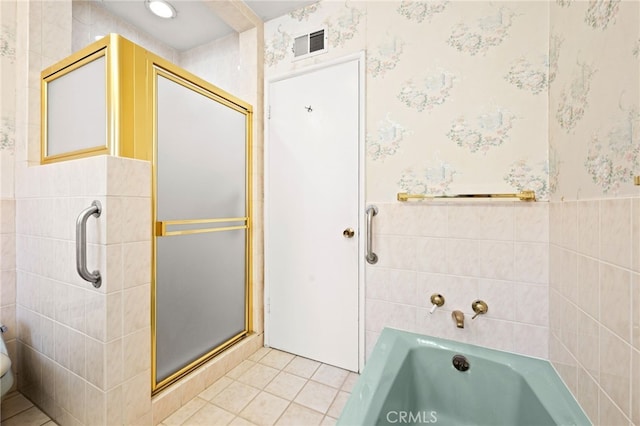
pixel 375 380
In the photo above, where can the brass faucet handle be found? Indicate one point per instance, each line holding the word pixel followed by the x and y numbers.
pixel 437 299
pixel 479 307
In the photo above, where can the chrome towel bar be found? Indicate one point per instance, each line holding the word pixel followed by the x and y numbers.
pixel 522 196
pixel 371 257
pixel 81 244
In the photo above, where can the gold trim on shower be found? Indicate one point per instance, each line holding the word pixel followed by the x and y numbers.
pixel 162 232
pixel 164 68
pixel 161 226
pixel 195 364
pixel 131 75
pixel 84 57
pixel 125 87
pixel 522 196
pixel 203 221
pixel 159 67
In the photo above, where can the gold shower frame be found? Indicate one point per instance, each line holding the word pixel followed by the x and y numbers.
pixel 131 75
pixel 161 67
pixel 125 83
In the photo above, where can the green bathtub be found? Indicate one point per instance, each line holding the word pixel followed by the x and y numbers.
pixel 410 379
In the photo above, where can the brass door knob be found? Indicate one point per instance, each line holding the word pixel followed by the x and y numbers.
pixel 348 233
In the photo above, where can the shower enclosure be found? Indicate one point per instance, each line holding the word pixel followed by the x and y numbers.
pixel 202 222
pixel 115 98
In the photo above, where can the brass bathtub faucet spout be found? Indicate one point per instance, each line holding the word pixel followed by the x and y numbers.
pixel 458 316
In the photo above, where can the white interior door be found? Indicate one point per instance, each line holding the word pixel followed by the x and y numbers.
pixel 311 199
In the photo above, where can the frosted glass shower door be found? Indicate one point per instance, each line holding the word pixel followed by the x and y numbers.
pixel 202 225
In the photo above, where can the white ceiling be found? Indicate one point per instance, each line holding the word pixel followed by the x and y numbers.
pixel 196 23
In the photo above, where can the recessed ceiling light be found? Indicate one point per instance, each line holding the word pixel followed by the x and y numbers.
pixel 161 8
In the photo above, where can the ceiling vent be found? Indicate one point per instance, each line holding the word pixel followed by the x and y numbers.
pixel 310 44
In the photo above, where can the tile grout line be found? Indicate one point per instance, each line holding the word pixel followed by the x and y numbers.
pixel 291 401
pixel 337 394
pixel 294 397
pixel 307 380
pixel 262 389
pixel 19 412
pixel 243 407
pixel 27 409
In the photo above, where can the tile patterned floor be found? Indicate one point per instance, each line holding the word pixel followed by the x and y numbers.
pixel 271 388
pixel 17 410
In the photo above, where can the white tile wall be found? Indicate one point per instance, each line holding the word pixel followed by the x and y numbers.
pixel 496 251
pixel 97 340
pixel 8 275
pixel 8 70
pixel 594 305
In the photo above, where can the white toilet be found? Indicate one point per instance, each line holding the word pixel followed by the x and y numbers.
pixel 6 375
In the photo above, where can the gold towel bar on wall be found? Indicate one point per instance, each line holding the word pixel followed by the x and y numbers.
pixel 522 196
pixel 636 180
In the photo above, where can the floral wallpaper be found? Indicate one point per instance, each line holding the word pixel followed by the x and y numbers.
pixel 344 26
pixel 7 67
pixel 385 57
pixel 555 42
pixel 419 10
pixel 614 154
pixel 600 13
pixel 524 176
pixel 304 13
pixel 456 92
pixel 8 59
pixel 387 140
pixel 7 133
pixel 531 74
pixel 482 132
pixel 427 92
pixel 484 32
pixel 574 98
pixel 434 178
pixel 276 47
pixel 7 42
pixel 594 105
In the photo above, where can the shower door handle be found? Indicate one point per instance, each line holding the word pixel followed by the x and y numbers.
pixel 371 257
pixel 81 244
